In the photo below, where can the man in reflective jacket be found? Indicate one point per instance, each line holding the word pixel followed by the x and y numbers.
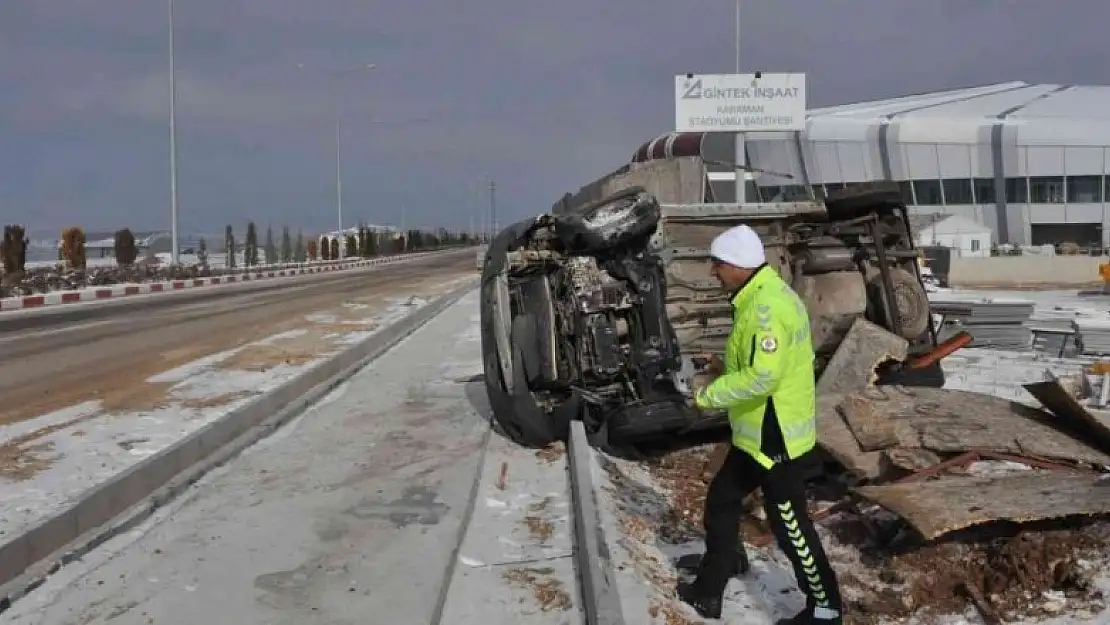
pixel 767 386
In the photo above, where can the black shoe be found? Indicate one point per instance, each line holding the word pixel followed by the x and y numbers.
pixel 807 617
pixel 692 563
pixel 706 607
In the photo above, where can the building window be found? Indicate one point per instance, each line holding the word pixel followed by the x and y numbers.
pixel 1016 191
pixel 1046 190
pixel 928 192
pixel 751 192
pixel 906 187
pixel 957 191
pixel 819 192
pixel 795 193
pixel 1084 189
pixel 984 191
pixel 975 245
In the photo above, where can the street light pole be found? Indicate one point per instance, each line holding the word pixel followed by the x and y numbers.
pixel 333 91
pixel 740 154
pixel 334 94
pixel 492 210
pixel 175 257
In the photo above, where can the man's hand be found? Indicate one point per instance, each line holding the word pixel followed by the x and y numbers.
pixel 714 365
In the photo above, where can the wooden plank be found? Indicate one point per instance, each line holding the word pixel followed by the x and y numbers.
pixel 938 507
pixel 1060 400
pixel 911 459
pixel 837 439
pixel 852 367
pixel 948 422
pixel 873 431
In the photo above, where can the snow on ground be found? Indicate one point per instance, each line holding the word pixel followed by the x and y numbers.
pixel 71 450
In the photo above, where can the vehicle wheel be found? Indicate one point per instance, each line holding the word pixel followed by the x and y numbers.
pixel 613 221
pixel 526 341
pixel 910 298
pixel 517 414
pixel 858 200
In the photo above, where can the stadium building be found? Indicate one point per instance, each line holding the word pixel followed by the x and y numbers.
pixel 1028 161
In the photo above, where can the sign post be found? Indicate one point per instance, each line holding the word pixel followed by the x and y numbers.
pixel 740 103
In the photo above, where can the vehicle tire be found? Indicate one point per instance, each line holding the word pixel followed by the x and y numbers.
pixel 616 220
pixel 526 341
pixel 910 298
pixel 858 200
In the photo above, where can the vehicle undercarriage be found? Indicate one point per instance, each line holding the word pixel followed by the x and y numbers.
pixel 597 311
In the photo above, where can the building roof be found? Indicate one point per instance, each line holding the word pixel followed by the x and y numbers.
pixel 1045 114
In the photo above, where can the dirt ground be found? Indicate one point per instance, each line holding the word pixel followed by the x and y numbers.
pixel 889 574
pixel 112 361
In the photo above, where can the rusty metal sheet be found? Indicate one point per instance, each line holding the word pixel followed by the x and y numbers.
pixel 938 507
pixel 1056 398
pixel 949 422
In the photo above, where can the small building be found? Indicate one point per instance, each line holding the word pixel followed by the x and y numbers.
pixel 965 237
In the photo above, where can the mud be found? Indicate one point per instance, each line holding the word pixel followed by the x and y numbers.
pixel 1014 572
pixel 888 573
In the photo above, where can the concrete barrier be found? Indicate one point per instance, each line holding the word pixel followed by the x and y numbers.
pixel 106 510
pixel 1030 272
pixel 600 597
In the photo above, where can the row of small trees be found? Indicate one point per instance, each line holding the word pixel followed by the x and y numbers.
pixel 13 249
pixel 293 249
pixel 367 243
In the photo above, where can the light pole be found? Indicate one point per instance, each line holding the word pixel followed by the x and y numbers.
pixel 740 154
pixel 492 209
pixel 334 77
pixel 174 245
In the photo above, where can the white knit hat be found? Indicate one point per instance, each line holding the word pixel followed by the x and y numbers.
pixel 739 246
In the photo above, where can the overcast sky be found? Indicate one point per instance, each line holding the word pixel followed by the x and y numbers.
pixel 541 96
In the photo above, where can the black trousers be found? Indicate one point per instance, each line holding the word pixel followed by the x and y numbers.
pixel 784 501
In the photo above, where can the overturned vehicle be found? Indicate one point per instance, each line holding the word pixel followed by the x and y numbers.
pixel 598 310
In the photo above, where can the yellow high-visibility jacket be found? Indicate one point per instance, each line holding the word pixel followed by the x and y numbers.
pixel 768 370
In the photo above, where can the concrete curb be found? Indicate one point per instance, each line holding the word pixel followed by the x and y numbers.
pixel 123 290
pixel 127 499
pixel 600 597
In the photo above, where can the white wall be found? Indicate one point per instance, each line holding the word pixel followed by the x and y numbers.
pixel 964 245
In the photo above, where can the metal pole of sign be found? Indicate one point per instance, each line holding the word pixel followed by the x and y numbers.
pixel 175 249
pixel 740 153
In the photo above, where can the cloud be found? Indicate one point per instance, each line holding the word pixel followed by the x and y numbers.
pixel 541 96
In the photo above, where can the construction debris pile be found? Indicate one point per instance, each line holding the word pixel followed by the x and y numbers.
pixel 995 323
pixel 945 499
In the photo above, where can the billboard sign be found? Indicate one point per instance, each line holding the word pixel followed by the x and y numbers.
pixel 740 102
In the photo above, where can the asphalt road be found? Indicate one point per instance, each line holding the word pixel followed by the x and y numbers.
pixel 353 514
pixel 50 362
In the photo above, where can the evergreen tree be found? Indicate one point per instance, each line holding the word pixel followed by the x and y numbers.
pixel 202 252
pixel 286 245
pixel 229 246
pixel 250 250
pixel 372 246
pixel 300 253
pixel 271 248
